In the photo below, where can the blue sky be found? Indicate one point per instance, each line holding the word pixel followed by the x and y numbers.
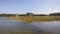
pixel 32 6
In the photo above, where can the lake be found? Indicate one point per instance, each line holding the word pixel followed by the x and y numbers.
pixel 11 26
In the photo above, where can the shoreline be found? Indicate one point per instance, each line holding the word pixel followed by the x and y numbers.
pixel 37 18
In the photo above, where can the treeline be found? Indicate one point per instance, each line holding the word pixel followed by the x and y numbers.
pixel 7 15
pixel 51 14
pixel 29 14
pixel 54 14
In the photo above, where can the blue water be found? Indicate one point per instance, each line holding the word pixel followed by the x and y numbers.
pixel 11 25
pixel 7 26
pixel 49 26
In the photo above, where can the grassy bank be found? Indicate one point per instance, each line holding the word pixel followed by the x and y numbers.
pixel 39 18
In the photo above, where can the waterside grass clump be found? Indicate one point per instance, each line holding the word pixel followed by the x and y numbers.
pixel 39 18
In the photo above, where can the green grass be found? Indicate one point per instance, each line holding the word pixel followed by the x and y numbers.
pixel 46 18
pixel 37 18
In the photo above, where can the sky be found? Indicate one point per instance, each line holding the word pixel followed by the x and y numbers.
pixel 31 6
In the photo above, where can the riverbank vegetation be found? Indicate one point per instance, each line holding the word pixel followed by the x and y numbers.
pixel 40 18
pixel 29 17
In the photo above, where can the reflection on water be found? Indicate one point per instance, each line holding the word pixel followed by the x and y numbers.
pixel 52 26
pixel 9 26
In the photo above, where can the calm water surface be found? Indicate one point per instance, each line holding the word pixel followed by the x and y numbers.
pixel 10 26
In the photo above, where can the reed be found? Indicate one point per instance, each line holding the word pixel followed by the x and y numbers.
pixel 37 18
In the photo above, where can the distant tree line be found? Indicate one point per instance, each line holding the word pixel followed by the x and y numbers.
pixel 54 14
pixel 30 14
pixel 7 15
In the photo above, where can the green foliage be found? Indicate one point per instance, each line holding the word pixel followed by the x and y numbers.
pixel 30 18
pixel 39 18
